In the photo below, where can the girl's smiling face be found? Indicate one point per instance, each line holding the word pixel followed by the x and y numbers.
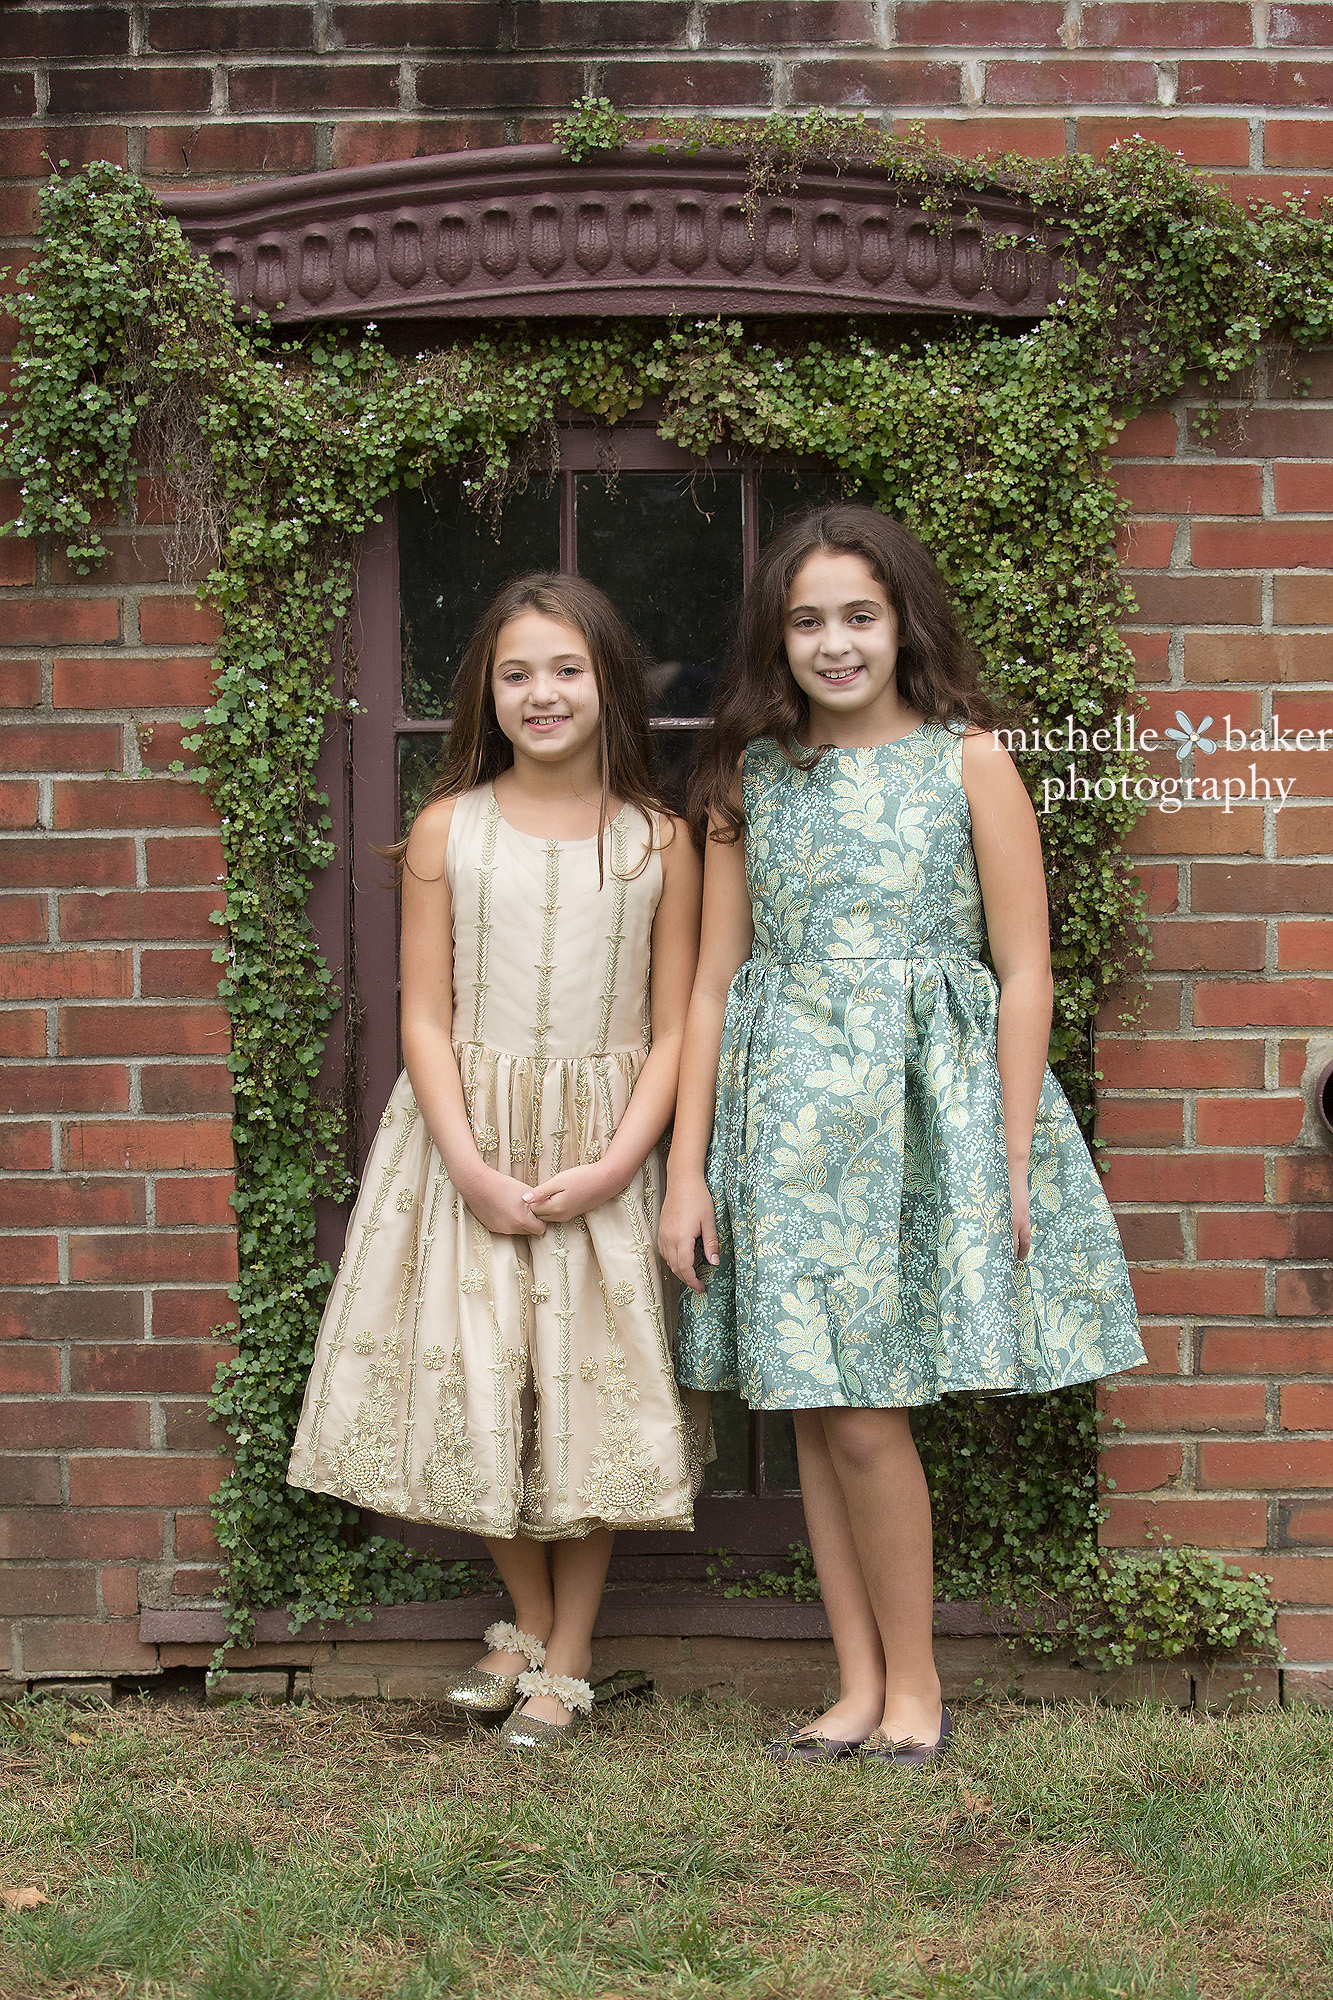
pixel 545 689
pixel 841 637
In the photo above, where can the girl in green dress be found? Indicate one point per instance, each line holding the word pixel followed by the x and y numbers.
pixel 893 1198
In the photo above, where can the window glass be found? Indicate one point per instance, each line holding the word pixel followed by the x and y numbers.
pixel 730 1470
pixel 450 565
pixel 780 1469
pixel 667 551
pixel 419 762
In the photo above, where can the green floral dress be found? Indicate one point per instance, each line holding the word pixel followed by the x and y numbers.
pixel 858 1159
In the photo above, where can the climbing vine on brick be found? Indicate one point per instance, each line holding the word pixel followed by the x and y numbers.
pixel 992 446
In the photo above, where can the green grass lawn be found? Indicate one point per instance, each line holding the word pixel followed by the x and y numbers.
pixel 317 1852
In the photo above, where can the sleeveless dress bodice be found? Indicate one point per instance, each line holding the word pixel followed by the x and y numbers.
pixel 858 1163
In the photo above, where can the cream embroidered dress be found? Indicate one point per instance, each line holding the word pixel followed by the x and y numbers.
pixel 858 1162
pixel 514 1385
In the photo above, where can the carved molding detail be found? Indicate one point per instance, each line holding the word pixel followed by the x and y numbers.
pixel 521 232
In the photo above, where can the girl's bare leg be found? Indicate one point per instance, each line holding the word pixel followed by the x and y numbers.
pixel 578 1573
pixel 526 1575
pixel 874 1457
pixel 851 1615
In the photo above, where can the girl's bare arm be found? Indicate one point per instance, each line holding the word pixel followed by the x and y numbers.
pixel 675 950
pixel 1013 889
pixel 728 938
pixel 428 1019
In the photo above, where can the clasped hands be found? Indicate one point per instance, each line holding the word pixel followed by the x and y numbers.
pixel 509 1207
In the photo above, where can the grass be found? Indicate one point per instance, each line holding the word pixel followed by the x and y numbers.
pixel 377 1850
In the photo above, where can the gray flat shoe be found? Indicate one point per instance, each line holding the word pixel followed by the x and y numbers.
pixel 881 1749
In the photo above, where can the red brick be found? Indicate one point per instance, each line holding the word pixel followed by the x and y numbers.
pixel 1255 82
pixel 1254 656
pixel 1161 888
pixel 120 1592
pixel 182 860
pixel 29 1260
pixel 1203 142
pixel 1201 1523
pixel 186 1087
pixel 1304 600
pixel 1304 1292
pixel 18 804
pixel 1311 1235
pixel 1264 1003
pixel 145 1145
pixel 62 621
pixel 35 151
pixel 1160 1012
pixel 1304 711
pixel 65 1315
pixel 162 744
pixel 25 1148
pixel 130 802
pixel 180 974
pixel 311 87
pixel 1291 1064
pixel 64 31
pixel 1151 652
pixel 1071 80
pixel 1161 1344
pixel 18 559
pixel 190 1315
pixel 583 24
pixel 139 913
pixel 1305 946
pixel 1300 26
pixel 1194 487
pixel 50 863
pixel 188 1427
pixel 22 1032
pixel 118 683
pixel 1139 1468
pixel 979 24
pixel 1159 24
pixel 197 1583
pixel 152 1367
pixel 54 1202
pixel 71 1535
pixel 1306 1635
pixel 179 621
pixel 1188 1406
pixel 1267 1465
pixel 1185 1177
pixel 18 212
pixel 1297 1579
pixel 1197 600
pixel 198 1199
pixel 1140 1121
pixel 368 141
pixel 20 682
pixel 173 151
pixel 203 1257
pixel 1298 143
pixel 1143 545
pixel 1269 432
pixel 1307 1406
pixel 1181 1065
pixel 143 1030
pixel 29 1482
pixel 65 1424
pixel 1292 544
pixel 1309 1521
pixel 135 558
pixel 1303 487
pixel 1265 887
pixel 26 1370
pixel 144 1482
pixel 47 1592
pixel 1247 1121
pixel 1200 1288
pixel 724 83
pixel 18 97
pixel 65 975
pixel 61 746
pixel 1202 828
pixel 1266 1350
pixel 1180 945
pixel 60 1086
pixel 1150 1236
pixel 61 1646
pixel 967 136
pixel 1153 435
pixel 128 88
pixel 195 1537
pixel 190 30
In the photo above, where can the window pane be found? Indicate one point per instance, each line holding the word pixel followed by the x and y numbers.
pixel 674 755
pixel 419 761
pixel 780 1470
pixel 667 551
pixel 784 493
pixel 450 565
pixel 730 1470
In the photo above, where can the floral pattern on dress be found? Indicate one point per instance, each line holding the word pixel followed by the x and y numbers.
pixel 858 1160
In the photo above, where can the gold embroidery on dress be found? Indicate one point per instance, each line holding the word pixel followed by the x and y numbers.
pixel 623 1483
pixel 427 1244
pixel 491 827
pixel 541 1024
pixel 363 1460
pixel 453 1485
pixel 613 942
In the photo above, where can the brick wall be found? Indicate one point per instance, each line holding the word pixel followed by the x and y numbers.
pixel 115 1243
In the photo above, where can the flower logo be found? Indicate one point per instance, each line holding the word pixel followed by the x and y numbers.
pixel 1189 738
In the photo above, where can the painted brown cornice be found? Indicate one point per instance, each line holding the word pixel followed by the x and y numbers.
pixel 522 232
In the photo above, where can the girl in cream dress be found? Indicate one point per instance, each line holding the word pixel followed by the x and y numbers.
pixel 497 1350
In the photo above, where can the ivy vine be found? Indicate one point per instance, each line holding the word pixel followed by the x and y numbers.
pixel 991 446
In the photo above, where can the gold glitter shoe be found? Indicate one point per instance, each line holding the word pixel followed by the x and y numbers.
pixel 528 1732
pixel 490 1696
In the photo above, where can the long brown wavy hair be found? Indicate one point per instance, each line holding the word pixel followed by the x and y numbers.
pixel 938 672
pixel 479 749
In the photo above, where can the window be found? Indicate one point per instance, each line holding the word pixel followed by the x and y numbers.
pixel 672 540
